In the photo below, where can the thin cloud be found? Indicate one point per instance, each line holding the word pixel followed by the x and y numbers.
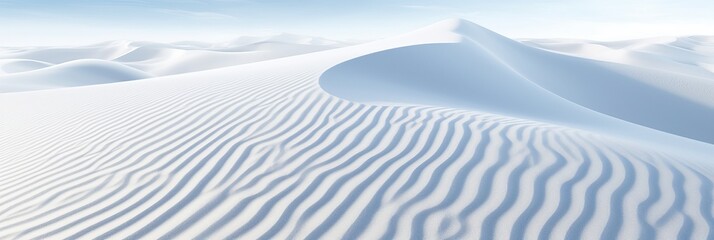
pixel 452 11
pixel 198 15
pixel 430 7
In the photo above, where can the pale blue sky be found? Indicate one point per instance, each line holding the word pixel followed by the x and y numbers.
pixel 46 22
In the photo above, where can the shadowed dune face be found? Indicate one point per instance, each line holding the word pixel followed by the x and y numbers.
pixel 487 72
pixel 460 75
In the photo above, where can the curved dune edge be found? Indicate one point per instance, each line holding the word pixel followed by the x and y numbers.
pixel 253 152
pixel 481 70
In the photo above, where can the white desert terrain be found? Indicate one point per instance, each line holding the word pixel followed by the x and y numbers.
pixel 448 132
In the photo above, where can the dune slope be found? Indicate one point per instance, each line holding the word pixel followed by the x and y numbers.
pixel 262 151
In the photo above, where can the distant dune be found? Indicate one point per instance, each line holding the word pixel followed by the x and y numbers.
pixel 122 59
pixel 449 132
pixel 69 74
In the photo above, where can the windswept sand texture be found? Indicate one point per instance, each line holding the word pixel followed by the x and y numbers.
pixel 449 132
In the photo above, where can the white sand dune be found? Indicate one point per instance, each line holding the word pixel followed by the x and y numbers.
pixel 449 132
pixel 693 55
pixel 164 59
pixel 482 70
pixel 70 74
pixel 153 59
pixel 9 66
